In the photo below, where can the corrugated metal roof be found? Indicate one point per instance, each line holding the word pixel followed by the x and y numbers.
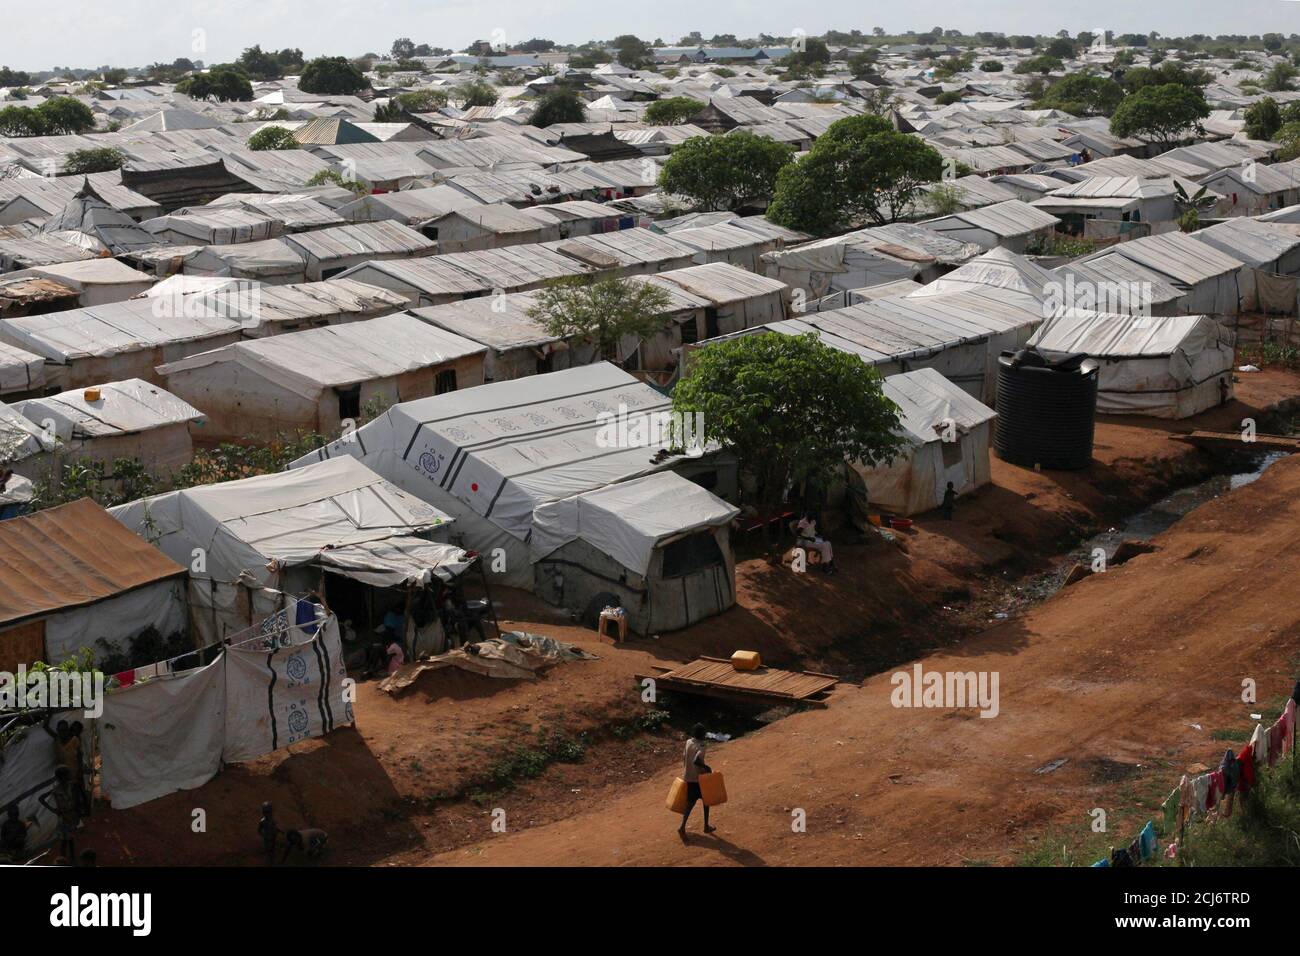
pixel 71 556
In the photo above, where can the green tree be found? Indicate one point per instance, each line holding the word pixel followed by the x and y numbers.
pixel 815 54
pixel 860 169
pixel 790 408
pixel 17 121
pixel 222 84
pixel 600 311
pixel 1039 64
pixel 331 177
pixel 1082 94
pixel 560 105
pixel 1060 48
pixel 673 111
pixel 947 98
pixel 1168 72
pixel 259 64
pixel 1164 114
pixel 10 77
pixel 1278 78
pixel 100 160
pixel 862 64
pixel 1287 137
pixel 991 66
pixel 272 137
pixel 332 74
pixel 633 52
pixel 61 115
pixel 1263 119
pixel 725 172
pixel 475 93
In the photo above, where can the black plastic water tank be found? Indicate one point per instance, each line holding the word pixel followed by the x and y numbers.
pixel 1045 410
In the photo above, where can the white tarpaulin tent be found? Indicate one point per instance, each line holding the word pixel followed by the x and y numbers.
pixel 21 371
pixel 658 546
pixel 264 532
pixel 489 456
pixel 173 732
pixel 1166 366
pixel 628 520
pixel 947 434
pixel 131 419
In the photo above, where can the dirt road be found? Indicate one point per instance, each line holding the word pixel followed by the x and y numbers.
pixel 1111 674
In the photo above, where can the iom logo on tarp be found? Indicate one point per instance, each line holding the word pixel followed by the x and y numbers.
pixel 296 669
pixel 430 463
pixel 298 722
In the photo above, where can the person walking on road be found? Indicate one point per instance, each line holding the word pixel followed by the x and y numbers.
pixel 693 766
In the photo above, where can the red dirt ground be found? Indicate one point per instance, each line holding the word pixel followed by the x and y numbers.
pixel 1074 683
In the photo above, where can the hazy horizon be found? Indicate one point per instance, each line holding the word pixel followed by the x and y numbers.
pixel 127 33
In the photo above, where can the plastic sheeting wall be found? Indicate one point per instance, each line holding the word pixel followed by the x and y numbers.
pixel 174 732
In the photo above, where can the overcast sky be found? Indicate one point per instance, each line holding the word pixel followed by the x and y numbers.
pixel 91 33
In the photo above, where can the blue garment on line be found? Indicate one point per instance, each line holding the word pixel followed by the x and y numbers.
pixel 1147 840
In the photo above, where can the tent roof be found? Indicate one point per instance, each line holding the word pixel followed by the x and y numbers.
pixel 122 409
pixel 334 355
pixel 71 556
pixel 504 448
pixel 927 402
pixel 285 518
pixel 628 520
pixel 111 329
pixel 1106 335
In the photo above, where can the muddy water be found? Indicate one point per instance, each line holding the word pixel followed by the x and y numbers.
pixel 1149 522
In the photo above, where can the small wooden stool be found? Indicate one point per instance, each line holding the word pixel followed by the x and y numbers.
pixel 620 621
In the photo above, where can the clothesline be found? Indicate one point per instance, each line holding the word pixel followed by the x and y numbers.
pixel 1198 795
pixel 270 628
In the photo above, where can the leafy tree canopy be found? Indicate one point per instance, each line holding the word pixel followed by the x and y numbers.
pixel 81 162
pixel 601 311
pixel 672 111
pixel 220 83
pixel 860 169
pixel 790 408
pixel 332 74
pixel 1165 113
pixel 1082 94
pixel 272 137
pixel 725 172
pixel 560 105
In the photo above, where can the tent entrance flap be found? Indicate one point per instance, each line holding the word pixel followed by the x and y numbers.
pixel 396 562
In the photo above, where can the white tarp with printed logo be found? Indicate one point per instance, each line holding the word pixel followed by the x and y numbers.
pixel 276 697
pixel 163 735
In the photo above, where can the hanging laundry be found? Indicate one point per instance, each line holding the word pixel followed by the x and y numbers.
pixel 1275 742
pixel 1230 770
pixel 1104 861
pixel 1147 841
pixel 1135 850
pixel 1171 851
pixel 1120 857
pixel 124 678
pixel 1246 764
pixel 1288 724
pixel 1215 789
pixel 1169 810
pixel 1259 745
